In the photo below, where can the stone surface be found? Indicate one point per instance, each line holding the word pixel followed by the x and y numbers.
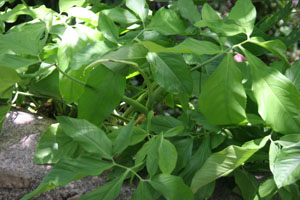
pixel 19 175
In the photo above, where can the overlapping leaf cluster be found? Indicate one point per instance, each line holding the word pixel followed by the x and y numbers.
pixel 235 118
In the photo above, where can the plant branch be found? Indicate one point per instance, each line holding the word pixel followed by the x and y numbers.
pixel 136 105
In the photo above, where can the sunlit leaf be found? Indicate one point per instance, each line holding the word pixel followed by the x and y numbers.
pixel 108 28
pixel 189 10
pixel 64 5
pixel 140 7
pixel 120 15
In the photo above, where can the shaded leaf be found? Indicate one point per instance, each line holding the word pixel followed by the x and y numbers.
pixel 8 78
pixel 247 184
pixel 124 137
pixel 189 10
pixel 142 192
pixel 108 28
pixel 16 62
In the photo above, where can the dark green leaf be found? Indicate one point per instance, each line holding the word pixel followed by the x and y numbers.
pixel 142 153
pixel 171 72
pixel 167 156
pixel 138 135
pixel 275 94
pixel 67 170
pixel 123 139
pixel 98 102
pixel 247 184
pixel 184 149
pixel 223 98
pixel 140 7
pixel 109 191
pixel 8 78
pixel 189 10
pixel 171 187
pixel 174 131
pixel 108 28
pixel 54 145
pixel 89 136
pixel 142 192
pixel 3 111
pixel 224 162
pixel 167 22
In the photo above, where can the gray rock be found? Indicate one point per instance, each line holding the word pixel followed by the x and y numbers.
pixel 19 175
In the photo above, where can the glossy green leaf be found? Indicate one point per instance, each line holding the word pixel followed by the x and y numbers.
pixel 267 188
pixel 275 95
pixel 120 15
pixel 167 22
pixel 140 7
pixel 224 162
pixel 64 5
pixel 167 156
pixel 171 72
pixel 277 47
pixel 54 145
pixel 67 170
pixel 244 14
pixel 124 137
pixel 142 192
pixel 293 73
pixel 98 102
pixel 25 39
pixel 285 164
pixel 223 98
pixel 16 62
pixel 246 183
pixel 108 28
pixel 189 45
pixel 171 187
pixel 189 10
pixel 8 78
pixel 87 135
pixel 109 191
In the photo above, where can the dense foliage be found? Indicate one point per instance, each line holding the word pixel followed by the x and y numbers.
pixel 171 98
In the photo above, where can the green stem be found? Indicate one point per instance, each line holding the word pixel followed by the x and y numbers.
pixel 131 170
pixel 136 105
pixel 120 117
pixel 134 65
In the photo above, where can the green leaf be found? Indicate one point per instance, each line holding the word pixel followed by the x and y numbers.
pixel 167 156
pixel 244 14
pixel 142 153
pixel 293 73
pixel 83 14
pixel 267 189
pixel 290 192
pixel 8 78
pixel 67 170
pixel 108 28
pixel 123 139
pixel 171 187
pixel 275 94
pixel 88 136
pixel 109 191
pixel 142 192
pixel 275 46
pixel 64 5
pixel 54 145
pixel 162 123
pixel 189 10
pixel 138 135
pixel 3 111
pixel 171 72
pixel 140 7
pixel 223 98
pixel 27 39
pixel 152 156
pixel 120 15
pixel 285 164
pixel 16 62
pixel 247 184
pixel 167 22
pixel 189 45
pixel 174 131
pixel 98 102
pixel 184 149
pixel 224 162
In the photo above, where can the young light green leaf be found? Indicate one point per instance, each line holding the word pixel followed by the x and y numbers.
pixel 120 15
pixel 64 5
pixel 223 98
pixel 142 192
pixel 67 170
pixel 267 189
pixel 224 162
pixel 189 45
pixel 98 102
pixel 285 164
pixel 140 7
pixel 108 28
pixel 275 94
pixel 167 22
pixel 167 156
pixel 244 14
pixel 275 46
pixel 123 139
pixel 189 10
pixel 109 191
pixel 293 73
pixel 171 187
pixel 54 145
pixel 8 78
pixel 247 184
pixel 88 136
pixel 171 72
